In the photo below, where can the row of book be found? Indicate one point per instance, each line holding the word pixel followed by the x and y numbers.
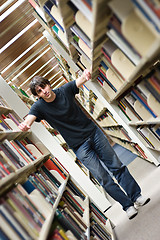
pixel 131 146
pixel 106 119
pixel 124 48
pixel 151 135
pixel 112 70
pixel 25 208
pixel 117 131
pixel 125 27
pixel 33 201
pixel 150 10
pixel 16 154
pixel 98 224
pixel 142 101
pixel 9 122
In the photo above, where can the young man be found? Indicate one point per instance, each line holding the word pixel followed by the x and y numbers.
pixel 59 109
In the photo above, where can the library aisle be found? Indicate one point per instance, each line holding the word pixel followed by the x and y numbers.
pixel 145 226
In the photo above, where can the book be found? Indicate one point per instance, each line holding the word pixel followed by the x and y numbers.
pixel 136 107
pixel 75 216
pixel 102 75
pixel 9 158
pixel 27 141
pixel 25 149
pixel 75 189
pixel 153 85
pixel 106 58
pixel 67 225
pixel 56 235
pixel 154 5
pixel 149 12
pixel 51 177
pixel 84 14
pixel 141 98
pixel 5 165
pixel 151 100
pixel 51 165
pixel 76 30
pixel 11 147
pixel 74 202
pixel 25 207
pixel 143 131
pixel 3 235
pixel 99 229
pixel 72 221
pixel 20 151
pixel 28 159
pixel 155 130
pixel 14 224
pixel 115 34
pixel 4 126
pixel 48 7
pixel 8 230
pixel 52 184
pixel 141 38
pixel 37 185
pixel 14 118
pixel 43 178
pixel 38 214
pixel 98 213
pixel 22 214
pixel 21 161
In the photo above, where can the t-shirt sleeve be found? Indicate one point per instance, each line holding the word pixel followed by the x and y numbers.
pixel 71 87
pixel 34 110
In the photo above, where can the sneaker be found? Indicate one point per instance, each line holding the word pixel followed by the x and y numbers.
pixel 131 212
pixel 141 201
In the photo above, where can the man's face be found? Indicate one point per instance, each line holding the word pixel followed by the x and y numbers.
pixel 46 93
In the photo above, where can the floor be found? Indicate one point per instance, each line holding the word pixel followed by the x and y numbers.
pixel 146 225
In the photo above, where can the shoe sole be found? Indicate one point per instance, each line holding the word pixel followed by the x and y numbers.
pixel 138 205
pixel 133 216
pixel 147 201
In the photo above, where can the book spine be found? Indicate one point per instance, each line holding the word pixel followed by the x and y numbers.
pixel 25 150
pixel 22 163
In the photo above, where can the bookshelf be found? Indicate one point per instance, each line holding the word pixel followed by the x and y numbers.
pixel 110 80
pixel 114 40
pixel 24 179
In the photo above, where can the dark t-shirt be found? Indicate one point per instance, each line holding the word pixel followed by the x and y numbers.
pixel 65 115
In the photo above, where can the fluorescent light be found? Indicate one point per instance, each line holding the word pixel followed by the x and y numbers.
pixel 10 10
pixel 50 70
pixel 21 55
pixel 18 36
pixel 5 5
pixel 37 70
pixel 59 84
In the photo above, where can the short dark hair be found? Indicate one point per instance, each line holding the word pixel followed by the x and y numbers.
pixel 38 81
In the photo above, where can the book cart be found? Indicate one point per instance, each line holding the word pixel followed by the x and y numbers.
pixel 120 43
pixel 39 198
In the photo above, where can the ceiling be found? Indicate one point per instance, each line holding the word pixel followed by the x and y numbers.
pixel 25 52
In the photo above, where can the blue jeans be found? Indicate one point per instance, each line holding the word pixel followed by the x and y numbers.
pixel 97 155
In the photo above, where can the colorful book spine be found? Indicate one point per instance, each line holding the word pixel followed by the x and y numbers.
pixel 142 100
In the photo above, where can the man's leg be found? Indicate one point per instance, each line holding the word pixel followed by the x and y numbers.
pixel 112 162
pixel 90 159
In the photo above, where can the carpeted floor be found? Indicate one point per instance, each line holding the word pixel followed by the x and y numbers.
pixel 124 154
pixel 146 225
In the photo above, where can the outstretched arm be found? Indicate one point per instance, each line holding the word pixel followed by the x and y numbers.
pixel 26 124
pixel 86 75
